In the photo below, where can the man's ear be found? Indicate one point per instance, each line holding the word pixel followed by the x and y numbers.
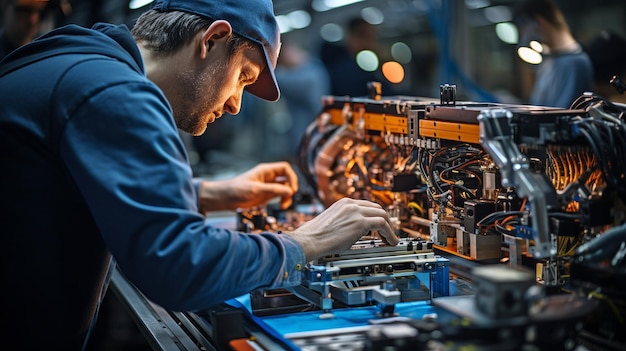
pixel 219 30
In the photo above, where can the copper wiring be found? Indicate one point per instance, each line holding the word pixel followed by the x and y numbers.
pixel 349 166
pixel 384 196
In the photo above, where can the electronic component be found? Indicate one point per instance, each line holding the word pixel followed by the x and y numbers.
pixel 359 275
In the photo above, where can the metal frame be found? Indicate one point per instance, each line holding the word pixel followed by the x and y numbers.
pixel 162 329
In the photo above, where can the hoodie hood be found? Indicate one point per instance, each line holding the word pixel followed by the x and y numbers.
pixel 73 39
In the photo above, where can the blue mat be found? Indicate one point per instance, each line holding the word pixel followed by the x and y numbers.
pixel 281 325
pixel 342 318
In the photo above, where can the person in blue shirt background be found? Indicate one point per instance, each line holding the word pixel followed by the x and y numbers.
pixel 94 171
pixel 566 71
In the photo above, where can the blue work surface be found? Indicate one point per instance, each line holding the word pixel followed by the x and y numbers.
pixel 284 325
pixel 342 318
pixel 281 325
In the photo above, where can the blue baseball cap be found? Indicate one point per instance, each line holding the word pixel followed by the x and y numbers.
pixel 251 19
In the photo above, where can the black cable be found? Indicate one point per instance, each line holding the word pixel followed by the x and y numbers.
pixel 492 217
pixel 606 136
pixel 603 152
pixel 434 177
pixel 603 246
pixel 563 215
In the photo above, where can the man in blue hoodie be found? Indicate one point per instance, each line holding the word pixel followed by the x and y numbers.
pixel 93 168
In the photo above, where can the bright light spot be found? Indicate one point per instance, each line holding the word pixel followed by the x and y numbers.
pixel 299 19
pixel 401 52
pixel 535 45
pixel 135 4
pixel 507 32
pixel 497 14
pixel 393 71
pixel 367 60
pixel 284 24
pixel 319 6
pixel 372 15
pixel 529 55
pixel 476 4
pixel 331 32
pixel 325 5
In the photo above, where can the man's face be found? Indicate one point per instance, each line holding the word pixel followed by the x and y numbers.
pixel 216 87
pixel 22 19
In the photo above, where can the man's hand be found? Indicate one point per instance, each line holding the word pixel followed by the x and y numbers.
pixel 342 224
pixel 253 188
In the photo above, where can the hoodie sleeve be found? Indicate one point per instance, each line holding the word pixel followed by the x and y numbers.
pixel 121 146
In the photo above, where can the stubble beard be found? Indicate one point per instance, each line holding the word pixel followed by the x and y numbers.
pixel 198 99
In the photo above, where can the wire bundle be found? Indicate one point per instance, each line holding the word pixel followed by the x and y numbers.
pixel 447 167
pixel 604 130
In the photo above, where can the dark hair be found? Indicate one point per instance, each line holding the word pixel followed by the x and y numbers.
pixel 166 32
pixel 546 9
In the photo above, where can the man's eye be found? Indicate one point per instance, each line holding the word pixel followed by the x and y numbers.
pixel 247 78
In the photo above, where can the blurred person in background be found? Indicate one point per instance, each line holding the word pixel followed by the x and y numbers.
pixel 346 77
pixel 21 20
pixel 566 71
pixel 303 81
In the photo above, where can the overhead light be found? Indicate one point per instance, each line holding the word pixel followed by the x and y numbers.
pixel 535 45
pixel 401 52
pixel 325 5
pixel 293 20
pixel 393 71
pixel 284 24
pixel 136 4
pixel 529 55
pixel 367 60
pixel 507 32
pixel 372 15
pixel 476 4
pixel 331 32
pixel 497 14
pixel 299 19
